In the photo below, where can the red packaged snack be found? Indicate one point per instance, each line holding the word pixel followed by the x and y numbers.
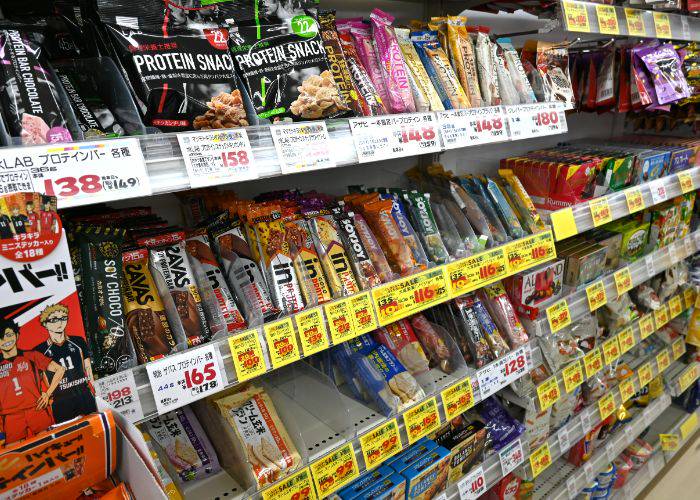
pixel 381 220
pixel 400 339
pixel 501 310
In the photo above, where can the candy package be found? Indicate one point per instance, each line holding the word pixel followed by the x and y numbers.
pixel 499 306
pixel 664 65
pixel 379 216
pixel 502 428
pixel 506 88
pixel 374 249
pixel 425 96
pixel 365 272
pixel 461 50
pixel 362 38
pixel 438 344
pixel 517 72
pixel 424 221
pixel 486 67
pixel 447 228
pixel 470 333
pixel 401 340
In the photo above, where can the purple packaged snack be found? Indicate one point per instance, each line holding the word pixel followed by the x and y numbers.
pixel 180 436
pixel 502 428
pixel 647 88
pixel 368 55
pixel 664 65
pixel 394 71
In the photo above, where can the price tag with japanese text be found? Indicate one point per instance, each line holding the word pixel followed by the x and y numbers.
pixel 689 376
pixel 528 252
pixel 302 147
pixel 573 376
pixel 558 315
pixel 626 339
pixel 380 443
pixel 511 456
pixel 689 425
pixel 662 25
pixel 121 394
pixel 548 392
pixel 312 331
pixel 540 459
pixel 606 405
pixel 421 420
pixel 476 271
pixel 407 296
pixel 502 372
pixel 362 312
pixel 576 16
pixel 535 120
pixel 607 19
pixel 600 211
pixel 658 190
pixel 685 178
pixel 688 297
pixel 661 316
pixel 674 306
pixel 295 487
pixel 646 325
pixel 633 196
pixel 247 355
pixel 592 362
pixel 644 374
pixel 185 377
pixel 611 350
pixel 335 470
pixel 387 137
pixel 596 296
pixel 635 22
pixel 77 174
pixel 281 342
pixel 563 439
pixel 340 322
pixel 215 157
pixel 457 398
pixel 623 280
pixel 678 348
pixel 473 126
pixel 626 389
pixel 669 442
pixel 473 485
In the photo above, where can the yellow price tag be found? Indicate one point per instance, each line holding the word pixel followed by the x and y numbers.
pixel 281 342
pixel 592 362
pixel 548 392
pixel 606 405
pixel 312 331
pixel 623 280
pixel 663 360
pixel 576 17
pixel 563 223
pixel 684 177
pixel 611 350
pixel 626 389
pixel 247 355
pixel 295 487
pixel 558 315
pixel 662 25
pixel 404 297
pixel 644 374
pixel 457 398
pixel 528 252
pixel 339 319
pixel 678 348
pixel 476 271
pixel 689 425
pixel 688 297
pixel 646 326
pixel 362 313
pixel 335 470
pixel 607 20
pixel 635 200
pixel 380 443
pixel 669 442
pixel 540 459
pixel 626 339
pixel 689 376
pixel 596 295
pixel 635 22
pixel 674 306
pixel 573 376
pixel 661 316
pixel 600 211
pixel 422 419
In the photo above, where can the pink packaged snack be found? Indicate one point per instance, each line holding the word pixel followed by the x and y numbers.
pixel 501 310
pixel 394 71
pixel 365 49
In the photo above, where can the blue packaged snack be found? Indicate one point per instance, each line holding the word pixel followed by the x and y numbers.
pixel 407 457
pixel 364 344
pixel 365 481
pixel 343 358
pixel 392 487
pixel 427 476
pixel 423 40
pixel 399 381
pixel 680 158
pixel 501 426
pixel 508 218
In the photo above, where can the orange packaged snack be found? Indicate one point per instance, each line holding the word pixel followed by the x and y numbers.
pixel 378 215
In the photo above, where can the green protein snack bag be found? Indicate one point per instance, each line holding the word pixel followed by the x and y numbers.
pixel 425 224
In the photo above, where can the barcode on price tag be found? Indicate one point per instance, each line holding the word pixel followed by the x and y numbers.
pixel 473 485
pixel 302 147
pixel 385 137
pixel 120 393
pixel 214 157
pixel 535 120
pixel 185 377
pixel 493 377
pixel 469 127
pixel 77 174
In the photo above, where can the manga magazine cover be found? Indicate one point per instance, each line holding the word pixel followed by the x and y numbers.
pixel 45 370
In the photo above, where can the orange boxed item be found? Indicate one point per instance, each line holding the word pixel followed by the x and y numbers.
pixel 56 461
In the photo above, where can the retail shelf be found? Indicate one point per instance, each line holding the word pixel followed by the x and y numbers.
pixel 675 420
pixel 589 17
pixel 639 271
pixel 681 377
pixel 619 203
pixel 638 480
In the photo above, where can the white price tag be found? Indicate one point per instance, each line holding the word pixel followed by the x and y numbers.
pixel 469 127
pixel 649 261
pixel 563 438
pixel 493 377
pixel 302 147
pixel 473 485
pixel 385 137
pixel 215 157
pixel 588 470
pixel 185 377
pixel 658 191
pixel 535 120
pixel 77 174
pixel 511 456
pixel 585 421
pixel 610 451
pixel 120 393
pixel 571 488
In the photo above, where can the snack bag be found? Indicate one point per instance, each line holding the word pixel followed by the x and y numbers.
pixel 373 248
pixel 379 216
pixel 424 93
pixel 365 272
pixel 398 212
pixel 400 338
pixel 463 59
pixel 517 72
pixel 486 66
pixel 664 65
pixel 498 304
pixel 424 220
pixel 364 46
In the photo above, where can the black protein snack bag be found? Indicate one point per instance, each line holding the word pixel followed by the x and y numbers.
pixel 28 96
pixel 177 60
pixel 280 57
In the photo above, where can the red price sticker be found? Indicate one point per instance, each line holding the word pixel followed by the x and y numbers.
pixel 635 201
pixel 247 355
pixel 473 485
pixel 535 120
pixel 312 331
pixel 494 376
pixel 646 326
pixel 540 459
pixel 386 137
pixel 476 271
pixel 573 376
pixel 596 295
pixel 576 16
pixel 611 350
pixel 363 318
pixel 606 405
pixel 528 252
pixel 623 280
pixel 685 178
pixel 626 340
pixel 600 211
pixel 469 127
pixel 340 321
pixel 548 392
pixel 592 362
pixel 401 298
pixel 626 389
pixel 635 22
